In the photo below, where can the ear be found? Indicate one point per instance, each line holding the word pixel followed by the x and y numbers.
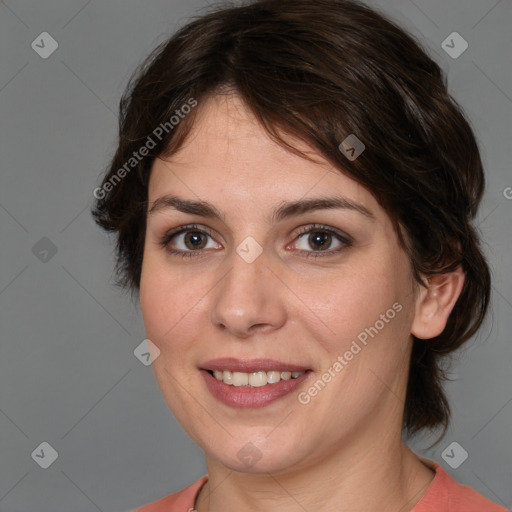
pixel 435 302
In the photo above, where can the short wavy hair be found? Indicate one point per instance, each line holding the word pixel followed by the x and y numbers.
pixel 322 70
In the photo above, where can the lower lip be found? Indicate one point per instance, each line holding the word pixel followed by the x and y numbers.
pixel 247 397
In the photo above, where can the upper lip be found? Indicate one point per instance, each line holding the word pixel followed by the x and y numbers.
pixel 251 365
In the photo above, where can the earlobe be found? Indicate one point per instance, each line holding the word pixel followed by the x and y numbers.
pixel 435 302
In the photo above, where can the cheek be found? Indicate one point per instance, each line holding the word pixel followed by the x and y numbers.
pixel 367 304
pixel 169 302
pixel 351 299
pixel 156 301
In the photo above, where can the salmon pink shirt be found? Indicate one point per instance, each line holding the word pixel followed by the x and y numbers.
pixel 444 494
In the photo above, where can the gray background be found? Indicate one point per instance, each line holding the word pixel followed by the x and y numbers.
pixel 68 374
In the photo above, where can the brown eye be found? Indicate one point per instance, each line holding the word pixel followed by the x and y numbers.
pixel 188 241
pixel 194 240
pixel 320 240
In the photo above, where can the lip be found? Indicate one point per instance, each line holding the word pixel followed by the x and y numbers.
pixel 246 397
pixel 251 365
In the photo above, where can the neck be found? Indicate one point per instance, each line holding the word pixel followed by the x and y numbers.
pixel 383 476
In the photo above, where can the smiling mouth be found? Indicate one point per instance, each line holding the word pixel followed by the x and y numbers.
pixel 254 379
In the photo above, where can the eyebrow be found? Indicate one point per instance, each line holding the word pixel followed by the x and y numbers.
pixel 286 210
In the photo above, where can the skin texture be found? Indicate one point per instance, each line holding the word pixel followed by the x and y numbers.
pixel 343 449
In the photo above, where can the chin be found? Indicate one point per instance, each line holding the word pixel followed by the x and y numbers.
pixel 264 458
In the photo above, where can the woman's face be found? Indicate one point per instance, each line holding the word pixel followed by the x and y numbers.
pixel 245 292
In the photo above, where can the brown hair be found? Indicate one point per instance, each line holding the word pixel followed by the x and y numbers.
pixel 322 70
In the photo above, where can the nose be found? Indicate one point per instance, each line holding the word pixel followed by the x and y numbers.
pixel 249 298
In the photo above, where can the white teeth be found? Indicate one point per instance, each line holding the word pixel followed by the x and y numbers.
pixel 273 377
pixel 254 379
pixel 240 379
pixel 226 376
pixel 257 379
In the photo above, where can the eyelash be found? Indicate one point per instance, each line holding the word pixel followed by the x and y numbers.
pixel 341 237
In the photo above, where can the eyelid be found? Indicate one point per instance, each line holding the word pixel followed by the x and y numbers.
pixel 188 227
pixel 301 230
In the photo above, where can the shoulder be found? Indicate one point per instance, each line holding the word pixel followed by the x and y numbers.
pixel 445 494
pixel 181 501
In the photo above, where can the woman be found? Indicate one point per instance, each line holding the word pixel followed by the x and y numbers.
pixel 293 195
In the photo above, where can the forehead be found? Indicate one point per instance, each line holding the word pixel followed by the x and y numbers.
pixel 225 129
pixel 228 154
